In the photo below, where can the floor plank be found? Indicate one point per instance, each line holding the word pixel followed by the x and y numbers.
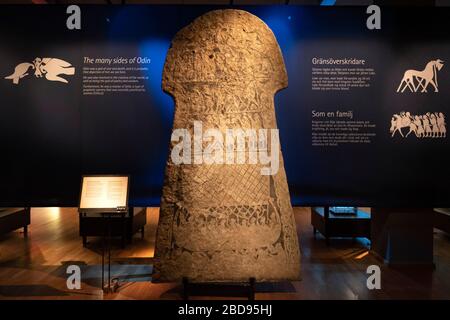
pixel 34 268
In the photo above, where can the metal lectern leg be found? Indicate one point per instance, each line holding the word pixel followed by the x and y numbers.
pixel 252 289
pixel 185 288
pixel 103 259
pixel 109 252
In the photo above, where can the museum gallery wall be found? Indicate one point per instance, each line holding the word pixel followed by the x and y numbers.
pixel 362 121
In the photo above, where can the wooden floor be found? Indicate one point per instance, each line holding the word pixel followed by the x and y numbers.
pixel 35 268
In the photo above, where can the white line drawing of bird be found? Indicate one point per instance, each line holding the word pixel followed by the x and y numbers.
pixel 20 71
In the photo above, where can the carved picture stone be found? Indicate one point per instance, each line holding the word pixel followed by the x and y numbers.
pixel 225 222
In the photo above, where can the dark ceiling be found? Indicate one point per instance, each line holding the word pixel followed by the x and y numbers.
pixel 237 2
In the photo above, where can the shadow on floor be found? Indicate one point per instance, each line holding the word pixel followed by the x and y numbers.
pixel 231 290
pixel 30 290
pixel 91 274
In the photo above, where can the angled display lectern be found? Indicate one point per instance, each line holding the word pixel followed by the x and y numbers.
pixel 106 195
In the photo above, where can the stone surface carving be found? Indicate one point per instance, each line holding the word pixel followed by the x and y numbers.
pixel 225 222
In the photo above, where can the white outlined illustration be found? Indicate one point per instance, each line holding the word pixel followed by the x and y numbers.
pixel 50 68
pixel 418 81
pixel 429 125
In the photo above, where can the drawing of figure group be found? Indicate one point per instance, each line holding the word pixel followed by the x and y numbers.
pixel 429 125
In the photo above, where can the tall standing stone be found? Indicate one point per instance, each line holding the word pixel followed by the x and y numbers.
pixel 225 222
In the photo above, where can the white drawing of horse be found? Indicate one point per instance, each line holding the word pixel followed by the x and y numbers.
pixel 398 122
pixel 414 79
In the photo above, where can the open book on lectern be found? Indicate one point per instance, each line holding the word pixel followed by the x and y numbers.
pixel 104 193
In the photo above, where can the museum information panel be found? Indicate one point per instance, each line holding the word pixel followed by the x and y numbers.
pixel 104 192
